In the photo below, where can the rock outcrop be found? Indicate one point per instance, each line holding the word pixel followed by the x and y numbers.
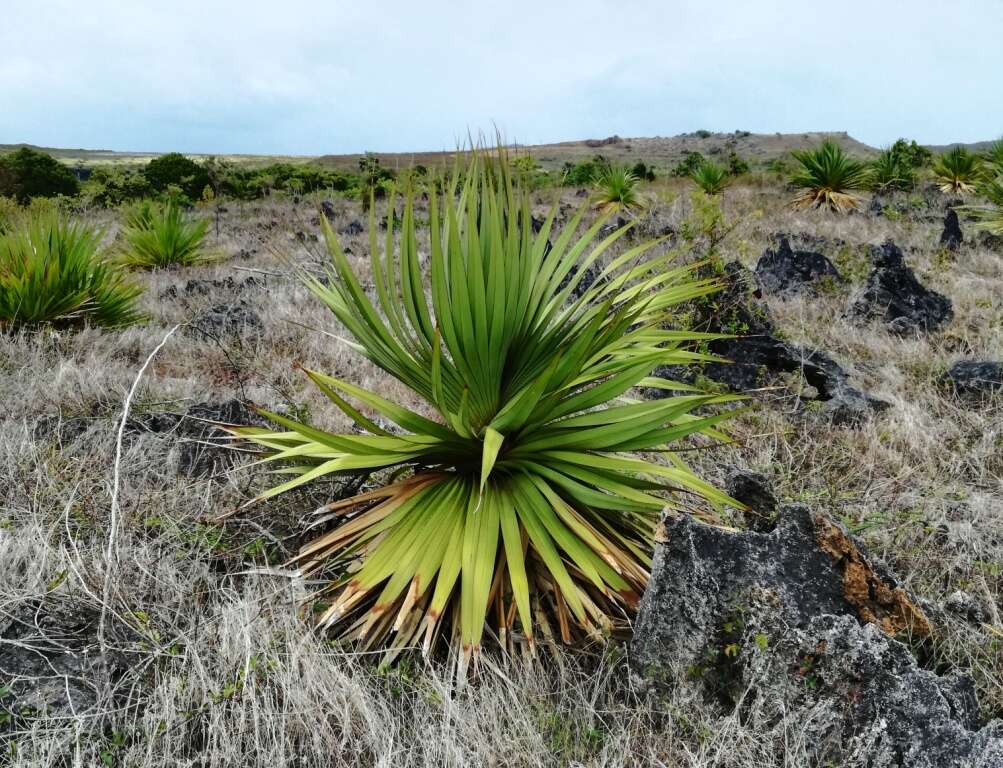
pixel 951 238
pixel 798 625
pixel 894 296
pixel 785 272
pixel 758 356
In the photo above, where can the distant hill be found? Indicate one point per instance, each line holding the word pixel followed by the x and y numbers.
pixel 660 151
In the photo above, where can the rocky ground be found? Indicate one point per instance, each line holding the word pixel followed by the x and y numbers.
pixel 137 629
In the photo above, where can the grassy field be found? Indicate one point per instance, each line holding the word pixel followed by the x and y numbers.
pixel 103 520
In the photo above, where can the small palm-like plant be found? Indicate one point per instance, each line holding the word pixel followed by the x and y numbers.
pixel 828 177
pixel 51 272
pixel 994 157
pixel 890 172
pixel 521 500
pixel 161 236
pixel 958 171
pixel 616 188
pixel 989 217
pixel 710 177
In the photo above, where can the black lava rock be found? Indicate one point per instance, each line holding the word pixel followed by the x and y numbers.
pixel 951 238
pixel 786 272
pixel 758 357
pixel 753 490
pixel 584 282
pixel 206 448
pixel 976 378
pixel 991 241
pixel 194 288
pixel 354 227
pixel 49 660
pixel 894 296
pixel 227 320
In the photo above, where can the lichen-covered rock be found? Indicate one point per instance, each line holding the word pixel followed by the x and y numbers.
pixel 976 378
pixel 797 625
pixel 894 296
pixel 786 272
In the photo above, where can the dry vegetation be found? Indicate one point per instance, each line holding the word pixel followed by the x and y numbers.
pixel 191 644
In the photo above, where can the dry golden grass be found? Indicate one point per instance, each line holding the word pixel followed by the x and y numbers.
pixel 221 671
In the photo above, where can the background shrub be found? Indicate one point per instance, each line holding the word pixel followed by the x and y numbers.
pixel 911 154
pixel 176 170
pixel 689 164
pixel 26 173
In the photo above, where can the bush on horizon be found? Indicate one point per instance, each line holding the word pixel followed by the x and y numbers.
pixel 27 173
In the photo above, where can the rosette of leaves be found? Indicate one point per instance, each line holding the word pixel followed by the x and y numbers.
pixel 521 500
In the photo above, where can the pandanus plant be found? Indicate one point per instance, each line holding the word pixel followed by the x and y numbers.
pixel 616 188
pixel 958 171
pixel 52 272
pixel 162 237
pixel 710 177
pixel 828 178
pixel 521 508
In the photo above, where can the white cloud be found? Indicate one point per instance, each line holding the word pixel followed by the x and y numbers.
pixel 301 76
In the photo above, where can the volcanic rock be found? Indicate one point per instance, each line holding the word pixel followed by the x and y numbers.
pixel 894 296
pixel 786 272
pixel 797 625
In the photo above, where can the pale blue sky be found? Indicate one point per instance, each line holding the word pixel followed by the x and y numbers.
pixel 315 77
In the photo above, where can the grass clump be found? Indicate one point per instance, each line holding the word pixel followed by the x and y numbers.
pixel 51 272
pixel 828 177
pixel 617 188
pixel 521 509
pixel 958 171
pixel 161 236
pixel 710 177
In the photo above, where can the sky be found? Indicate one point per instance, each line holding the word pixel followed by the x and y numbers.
pixel 308 77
